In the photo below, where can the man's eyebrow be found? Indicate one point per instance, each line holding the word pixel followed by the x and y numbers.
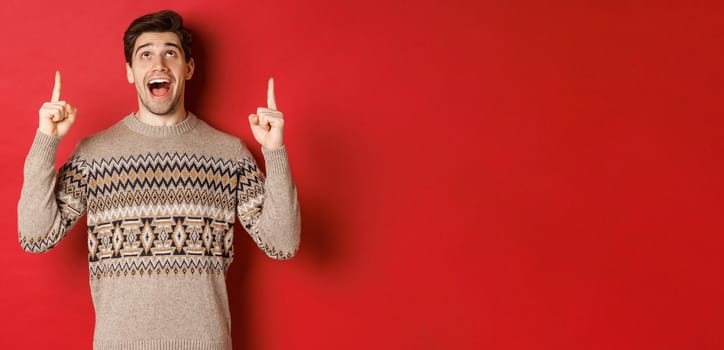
pixel 172 44
pixel 142 46
pixel 151 44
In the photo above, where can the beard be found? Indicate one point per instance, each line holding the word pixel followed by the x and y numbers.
pixel 160 107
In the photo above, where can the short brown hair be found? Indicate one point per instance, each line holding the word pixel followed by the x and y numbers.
pixel 157 22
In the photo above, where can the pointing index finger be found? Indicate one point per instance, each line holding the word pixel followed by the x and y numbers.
pixel 56 88
pixel 271 101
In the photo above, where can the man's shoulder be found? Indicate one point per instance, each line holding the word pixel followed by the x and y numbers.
pixel 218 138
pixel 100 138
pixel 207 130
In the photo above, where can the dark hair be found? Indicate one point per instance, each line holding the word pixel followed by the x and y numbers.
pixel 157 22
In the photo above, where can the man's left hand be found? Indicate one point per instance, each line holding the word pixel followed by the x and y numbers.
pixel 267 124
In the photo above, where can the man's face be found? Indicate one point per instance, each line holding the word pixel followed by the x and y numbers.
pixel 159 72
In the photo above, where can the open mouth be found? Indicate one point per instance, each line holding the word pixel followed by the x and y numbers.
pixel 159 87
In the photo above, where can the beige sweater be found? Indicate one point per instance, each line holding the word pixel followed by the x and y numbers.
pixel 161 204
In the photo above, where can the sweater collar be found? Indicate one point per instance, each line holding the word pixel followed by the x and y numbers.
pixel 142 128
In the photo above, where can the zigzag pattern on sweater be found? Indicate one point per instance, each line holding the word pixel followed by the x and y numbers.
pixel 177 210
pixel 149 211
pixel 169 206
pixel 71 186
pixel 159 265
pixel 169 171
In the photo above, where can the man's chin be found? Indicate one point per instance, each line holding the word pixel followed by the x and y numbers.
pixel 161 109
pixel 161 112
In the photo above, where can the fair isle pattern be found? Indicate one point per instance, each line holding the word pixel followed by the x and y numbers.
pixel 166 185
pixel 150 265
pixel 161 204
pixel 168 213
pixel 71 188
pixel 165 244
pixel 249 207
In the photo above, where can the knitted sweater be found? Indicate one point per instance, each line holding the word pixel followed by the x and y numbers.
pixel 161 204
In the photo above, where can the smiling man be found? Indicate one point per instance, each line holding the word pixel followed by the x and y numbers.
pixel 161 189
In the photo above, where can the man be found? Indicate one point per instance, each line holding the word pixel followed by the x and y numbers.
pixel 161 189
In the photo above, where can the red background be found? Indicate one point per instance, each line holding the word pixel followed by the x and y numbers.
pixel 473 174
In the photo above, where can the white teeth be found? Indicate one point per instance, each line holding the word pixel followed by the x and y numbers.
pixel 155 81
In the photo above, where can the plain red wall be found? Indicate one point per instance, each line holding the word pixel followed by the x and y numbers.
pixel 473 174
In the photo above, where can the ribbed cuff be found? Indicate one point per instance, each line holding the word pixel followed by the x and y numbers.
pixel 276 161
pixel 163 344
pixel 44 147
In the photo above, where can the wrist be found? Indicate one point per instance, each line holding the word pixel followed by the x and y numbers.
pixel 273 147
pixel 44 147
pixel 47 133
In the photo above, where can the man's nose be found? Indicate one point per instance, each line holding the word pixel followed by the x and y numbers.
pixel 159 64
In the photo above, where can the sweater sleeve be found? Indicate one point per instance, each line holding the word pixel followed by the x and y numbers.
pixel 50 202
pixel 268 207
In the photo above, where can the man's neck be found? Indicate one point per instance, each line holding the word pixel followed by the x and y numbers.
pixel 149 118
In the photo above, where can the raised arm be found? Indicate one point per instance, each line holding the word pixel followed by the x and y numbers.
pixel 50 202
pixel 268 207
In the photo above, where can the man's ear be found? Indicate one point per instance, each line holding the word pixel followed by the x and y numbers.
pixel 129 73
pixel 190 65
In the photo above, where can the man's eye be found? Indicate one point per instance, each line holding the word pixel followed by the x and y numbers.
pixel 145 55
pixel 171 53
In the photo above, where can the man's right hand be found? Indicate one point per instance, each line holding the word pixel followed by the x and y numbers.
pixel 56 116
